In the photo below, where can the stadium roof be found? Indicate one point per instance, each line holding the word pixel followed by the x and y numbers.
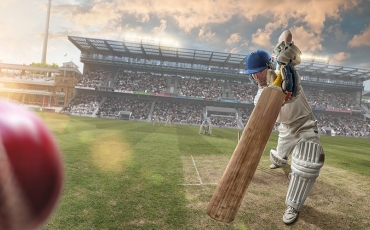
pixel 28 67
pixel 333 70
pixel 70 66
pixel 212 58
pixel 158 52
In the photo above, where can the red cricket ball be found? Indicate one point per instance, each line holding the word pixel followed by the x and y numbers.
pixel 31 169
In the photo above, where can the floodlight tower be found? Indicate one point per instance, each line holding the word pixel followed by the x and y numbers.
pixel 44 49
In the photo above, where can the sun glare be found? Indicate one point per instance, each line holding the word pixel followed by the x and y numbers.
pixel 152 40
pixel 314 58
pixel 111 154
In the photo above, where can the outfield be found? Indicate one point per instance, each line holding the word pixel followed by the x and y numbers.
pixel 133 175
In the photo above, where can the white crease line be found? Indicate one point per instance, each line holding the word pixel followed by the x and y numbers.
pixel 195 166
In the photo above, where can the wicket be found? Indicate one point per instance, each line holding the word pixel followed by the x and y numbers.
pixel 239 134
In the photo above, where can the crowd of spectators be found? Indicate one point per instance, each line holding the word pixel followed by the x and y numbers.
pixel 345 102
pixel 94 78
pixel 357 125
pixel 243 91
pixel 219 121
pixel 343 125
pixel 111 107
pixel 141 82
pixel 83 104
pixel 244 114
pixel 190 113
pixel 328 100
pixel 210 90
pixel 319 99
pixel 16 76
pixel 187 113
pixel 181 112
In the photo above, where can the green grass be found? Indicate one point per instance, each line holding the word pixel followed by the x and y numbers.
pixel 127 175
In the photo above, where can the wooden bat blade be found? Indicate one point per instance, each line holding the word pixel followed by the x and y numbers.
pixel 239 172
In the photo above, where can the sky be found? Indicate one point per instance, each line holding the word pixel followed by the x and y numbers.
pixel 336 29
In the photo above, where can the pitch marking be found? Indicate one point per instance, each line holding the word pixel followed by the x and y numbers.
pixel 196 169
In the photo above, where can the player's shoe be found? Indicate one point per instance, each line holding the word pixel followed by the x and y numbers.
pixel 289 176
pixel 290 215
pixel 274 166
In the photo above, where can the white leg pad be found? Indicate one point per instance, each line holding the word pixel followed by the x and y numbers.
pixel 307 160
pixel 275 159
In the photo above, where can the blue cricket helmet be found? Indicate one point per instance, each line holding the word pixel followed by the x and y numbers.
pixel 256 61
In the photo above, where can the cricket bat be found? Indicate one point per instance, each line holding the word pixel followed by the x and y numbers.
pixel 230 191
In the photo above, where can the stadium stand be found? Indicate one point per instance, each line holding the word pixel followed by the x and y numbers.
pixel 204 88
pixel 83 105
pixel 50 86
pixel 111 107
pixel 336 110
pixel 129 81
pixel 94 78
pixel 144 80
pixel 182 112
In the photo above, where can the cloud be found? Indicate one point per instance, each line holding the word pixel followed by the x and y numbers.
pixel 67 11
pixel 159 30
pixel 362 39
pixel 306 41
pixel 338 58
pixel 335 30
pixel 341 56
pixel 4 3
pixel 100 15
pixel 233 25
pixel 262 38
pixel 63 35
pixel 315 13
pixel 234 38
pixel 189 15
pixel 232 50
pixel 205 35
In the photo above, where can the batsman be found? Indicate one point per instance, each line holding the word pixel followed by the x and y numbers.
pixel 204 127
pixel 281 99
pixel 298 132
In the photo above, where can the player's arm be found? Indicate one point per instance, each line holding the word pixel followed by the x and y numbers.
pixel 287 78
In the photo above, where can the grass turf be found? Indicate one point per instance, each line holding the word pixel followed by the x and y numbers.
pixel 133 175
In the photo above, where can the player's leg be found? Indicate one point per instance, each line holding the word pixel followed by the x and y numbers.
pixel 285 146
pixel 307 159
pixel 304 129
